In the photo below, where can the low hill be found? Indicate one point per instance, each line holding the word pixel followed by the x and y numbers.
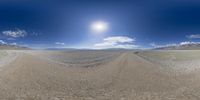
pixel 191 46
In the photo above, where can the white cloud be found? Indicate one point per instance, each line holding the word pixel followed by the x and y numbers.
pixel 59 43
pixel 119 39
pixel 15 34
pixel 6 43
pixel 2 42
pixel 194 36
pixel 116 42
pixel 189 42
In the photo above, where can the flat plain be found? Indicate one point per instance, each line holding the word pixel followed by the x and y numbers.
pixel 99 75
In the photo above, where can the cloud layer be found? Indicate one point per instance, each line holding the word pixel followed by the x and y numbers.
pixel 59 43
pixel 15 34
pixel 116 42
pixel 193 36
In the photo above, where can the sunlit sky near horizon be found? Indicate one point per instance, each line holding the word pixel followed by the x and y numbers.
pixel 99 24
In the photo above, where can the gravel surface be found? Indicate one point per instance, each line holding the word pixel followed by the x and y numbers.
pixel 126 77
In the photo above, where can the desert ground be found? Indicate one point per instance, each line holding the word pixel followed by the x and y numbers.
pixel 99 75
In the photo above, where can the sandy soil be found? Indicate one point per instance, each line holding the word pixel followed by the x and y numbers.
pixel 126 76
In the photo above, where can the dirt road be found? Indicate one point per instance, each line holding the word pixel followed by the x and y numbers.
pixel 127 77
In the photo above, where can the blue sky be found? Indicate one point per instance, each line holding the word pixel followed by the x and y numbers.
pixel 131 23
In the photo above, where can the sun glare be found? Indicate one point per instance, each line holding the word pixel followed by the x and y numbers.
pixel 99 27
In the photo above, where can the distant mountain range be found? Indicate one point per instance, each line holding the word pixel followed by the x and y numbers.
pixel 61 49
pixel 188 46
pixel 69 49
pixel 12 47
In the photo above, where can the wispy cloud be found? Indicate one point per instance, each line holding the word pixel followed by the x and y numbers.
pixel 116 42
pixel 14 43
pixel 59 43
pixel 154 45
pixel 193 36
pixel 35 34
pixel 15 34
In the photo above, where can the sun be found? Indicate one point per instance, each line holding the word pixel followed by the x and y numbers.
pixel 99 26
